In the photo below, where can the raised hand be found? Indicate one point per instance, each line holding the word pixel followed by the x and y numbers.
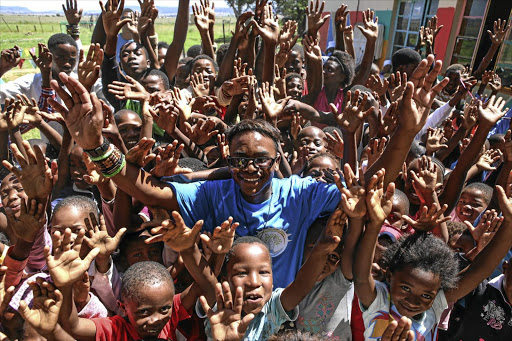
pixel 65 265
pixel 12 115
pixel 89 68
pixel 500 31
pixel 375 149
pixel 221 240
pixel 165 116
pixel 495 83
pixel 99 238
pixel 200 18
pixel 201 132
pixel 505 198
pixel 271 109
pixel 73 15
pixel 434 138
pixel 470 115
pixel 35 175
pixel 420 94
pixel 299 160
pixel 200 87
pixel 139 155
pixel 166 161
pixel 236 86
pixel 371 27
pixel 311 48
pixel 487 159
pixel 378 203
pixel 132 90
pixel 176 234
pixel 84 118
pixel 315 17
pixel 111 15
pixel 399 330
pixel 32 113
pixel 287 33
pixel 30 221
pixel 434 29
pixel 333 231
pixel 429 218
pixel 389 122
pixel 341 16
pixel 10 57
pixel 210 11
pixel 334 144
pixel 353 113
pixel 227 322
pixel 491 111
pixel 353 196
pixel 269 28
pixel 45 59
pixel 488 217
pixel 377 84
pixel 425 182
pixel 396 88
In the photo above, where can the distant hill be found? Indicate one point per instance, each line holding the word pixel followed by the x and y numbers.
pixel 163 11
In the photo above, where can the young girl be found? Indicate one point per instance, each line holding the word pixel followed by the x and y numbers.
pixel 420 281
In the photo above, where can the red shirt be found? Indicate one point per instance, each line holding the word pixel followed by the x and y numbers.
pixel 118 328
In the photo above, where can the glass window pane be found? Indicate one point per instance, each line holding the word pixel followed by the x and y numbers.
pixel 417 10
pixel 412 39
pixel 470 27
pixel 506 56
pixel 404 8
pixel 505 73
pixel 475 8
pixel 460 60
pixel 465 47
pixel 415 25
pixel 400 38
pixel 402 23
pixel 433 7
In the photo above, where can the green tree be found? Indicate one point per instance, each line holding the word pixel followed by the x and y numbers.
pixel 293 10
pixel 240 6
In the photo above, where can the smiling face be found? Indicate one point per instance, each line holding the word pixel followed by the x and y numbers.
pixel 453 84
pixel 294 87
pixel 152 311
pixel 12 193
pixel 64 59
pixel 255 183
pixel 413 290
pixel 129 125
pixel 471 204
pixel 69 217
pixel 134 60
pixel 313 139
pixel 250 268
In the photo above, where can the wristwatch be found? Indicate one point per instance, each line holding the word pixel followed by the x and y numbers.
pixel 99 151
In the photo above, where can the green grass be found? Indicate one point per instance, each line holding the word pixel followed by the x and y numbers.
pixel 27 31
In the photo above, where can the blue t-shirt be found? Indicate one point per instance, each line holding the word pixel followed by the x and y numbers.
pixel 281 222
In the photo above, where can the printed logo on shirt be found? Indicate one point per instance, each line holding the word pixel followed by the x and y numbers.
pixel 275 239
pixel 494 315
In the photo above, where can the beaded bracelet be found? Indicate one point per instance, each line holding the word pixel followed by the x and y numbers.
pixel 110 150
pixel 73 30
pixel 112 164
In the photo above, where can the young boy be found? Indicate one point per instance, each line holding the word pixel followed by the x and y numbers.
pixel 472 202
pixel 313 139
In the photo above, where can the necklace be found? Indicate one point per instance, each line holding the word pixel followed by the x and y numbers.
pixel 243 210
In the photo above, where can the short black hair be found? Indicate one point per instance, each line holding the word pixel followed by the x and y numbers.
pixel 159 74
pixel 142 275
pixel 242 240
pixel 455 228
pixel 495 139
pixel 118 114
pixel 80 202
pixel 194 51
pixel 258 125
pixel 138 46
pixel 203 56
pixel 162 45
pixel 319 155
pixel 405 56
pixel 299 49
pixel 292 75
pixel 61 38
pixel 347 64
pixel 416 150
pixel 191 162
pixel 455 68
pixel 221 52
pixel 401 196
pixel 484 188
pixel 426 252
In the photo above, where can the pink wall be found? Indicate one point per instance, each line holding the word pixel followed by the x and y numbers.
pixel 444 17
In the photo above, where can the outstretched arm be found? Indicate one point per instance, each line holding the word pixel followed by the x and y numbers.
pixel 178 41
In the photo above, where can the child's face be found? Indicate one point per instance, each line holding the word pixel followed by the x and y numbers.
pixel 151 313
pixel 250 268
pixel 313 139
pixel 453 84
pixel 138 251
pixel 378 270
pixel 12 194
pixel 333 262
pixel 69 217
pixel 182 77
pixel 64 58
pixel 413 290
pixel 398 210
pixel 318 165
pixel 153 84
pixel 294 87
pixel 471 204
pixel 461 243
pixel 77 168
pixel 129 125
pixel 294 62
pixel 134 60
pixel 255 182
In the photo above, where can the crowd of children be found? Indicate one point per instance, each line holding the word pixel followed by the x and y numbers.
pixel 258 190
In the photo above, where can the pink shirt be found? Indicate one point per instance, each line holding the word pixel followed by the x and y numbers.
pixel 322 104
